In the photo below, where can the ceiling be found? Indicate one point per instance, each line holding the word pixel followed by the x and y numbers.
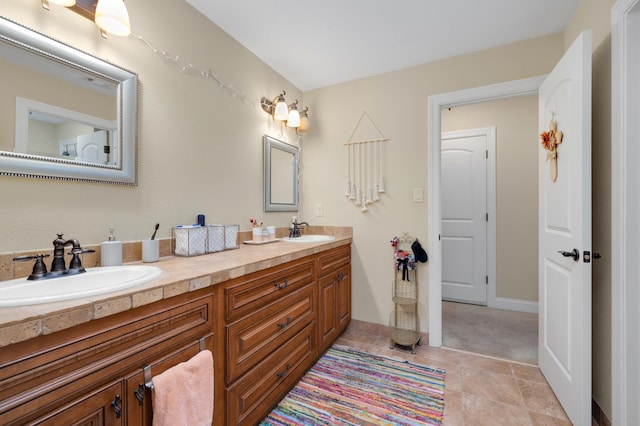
pixel 315 44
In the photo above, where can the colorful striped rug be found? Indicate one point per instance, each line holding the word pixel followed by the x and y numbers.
pixel 348 387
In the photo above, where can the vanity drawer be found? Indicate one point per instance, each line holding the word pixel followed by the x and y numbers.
pixel 249 293
pixel 333 259
pixel 253 396
pixel 252 339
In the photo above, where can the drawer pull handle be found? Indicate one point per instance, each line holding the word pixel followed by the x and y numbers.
pixel 284 324
pixel 285 372
pixel 139 393
pixel 340 276
pixel 116 406
pixel 282 285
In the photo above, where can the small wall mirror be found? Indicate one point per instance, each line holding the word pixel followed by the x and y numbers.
pixel 280 176
pixel 66 114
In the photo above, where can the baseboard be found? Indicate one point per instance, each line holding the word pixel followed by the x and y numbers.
pixel 513 305
pixel 598 416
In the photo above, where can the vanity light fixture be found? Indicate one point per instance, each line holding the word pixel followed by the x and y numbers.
pixel 294 116
pixel 304 120
pixel 277 107
pixel 66 3
pixel 279 110
pixel 112 17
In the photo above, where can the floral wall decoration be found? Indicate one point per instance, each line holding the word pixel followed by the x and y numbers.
pixel 550 140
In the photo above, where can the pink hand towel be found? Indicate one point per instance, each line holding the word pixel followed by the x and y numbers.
pixel 183 394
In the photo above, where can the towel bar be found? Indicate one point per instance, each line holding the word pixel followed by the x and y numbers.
pixel 148 381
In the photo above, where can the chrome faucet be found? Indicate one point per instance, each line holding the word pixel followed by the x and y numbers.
pixel 294 231
pixel 58 267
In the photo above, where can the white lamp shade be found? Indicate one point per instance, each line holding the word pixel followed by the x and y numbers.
pixel 294 118
pixel 282 111
pixel 66 3
pixel 304 124
pixel 112 17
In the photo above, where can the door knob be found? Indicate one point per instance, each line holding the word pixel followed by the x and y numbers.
pixel 575 254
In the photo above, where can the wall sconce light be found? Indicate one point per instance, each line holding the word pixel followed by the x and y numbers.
pixel 304 120
pixel 110 16
pixel 280 111
pixel 65 3
pixel 294 116
pixel 277 107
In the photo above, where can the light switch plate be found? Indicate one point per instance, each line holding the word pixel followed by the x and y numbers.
pixel 319 210
pixel 418 196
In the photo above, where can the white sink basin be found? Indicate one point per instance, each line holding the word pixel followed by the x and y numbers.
pixel 95 281
pixel 310 239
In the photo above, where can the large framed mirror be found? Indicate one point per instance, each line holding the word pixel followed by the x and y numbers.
pixel 67 115
pixel 281 162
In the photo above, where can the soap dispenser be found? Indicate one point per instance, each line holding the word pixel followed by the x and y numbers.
pixel 111 250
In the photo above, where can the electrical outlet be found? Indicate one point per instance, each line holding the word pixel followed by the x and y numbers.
pixel 418 195
pixel 319 210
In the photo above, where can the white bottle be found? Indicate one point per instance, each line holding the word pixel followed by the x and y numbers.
pixel 111 251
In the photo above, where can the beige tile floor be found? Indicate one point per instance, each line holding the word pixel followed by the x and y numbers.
pixel 478 390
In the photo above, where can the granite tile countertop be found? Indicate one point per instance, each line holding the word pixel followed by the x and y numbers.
pixel 179 275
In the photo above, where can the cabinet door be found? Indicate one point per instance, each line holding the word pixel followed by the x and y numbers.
pixel 335 305
pixel 343 301
pixel 328 325
pixel 103 407
pixel 138 396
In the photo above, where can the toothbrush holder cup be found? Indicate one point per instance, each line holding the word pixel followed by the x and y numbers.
pixel 150 250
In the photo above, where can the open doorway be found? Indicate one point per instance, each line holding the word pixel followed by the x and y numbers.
pixel 489 227
pixel 436 105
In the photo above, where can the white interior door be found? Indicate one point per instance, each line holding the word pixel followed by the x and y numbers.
pixel 564 349
pixel 464 216
pixel 90 147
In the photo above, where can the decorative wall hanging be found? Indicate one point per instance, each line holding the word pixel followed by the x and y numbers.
pixel 550 141
pixel 365 168
pixel 207 74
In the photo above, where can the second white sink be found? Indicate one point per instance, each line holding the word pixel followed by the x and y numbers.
pixel 95 281
pixel 310 239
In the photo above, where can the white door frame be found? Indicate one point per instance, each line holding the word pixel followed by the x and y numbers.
pixel 625 211
pixel 526 86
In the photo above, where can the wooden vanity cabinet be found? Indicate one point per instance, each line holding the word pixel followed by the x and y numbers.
pixel 265 329
pixel 86 374
pixel 279 322
pixel 270 336
pixel 334 282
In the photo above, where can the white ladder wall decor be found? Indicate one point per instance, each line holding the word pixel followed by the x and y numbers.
pixel 365 168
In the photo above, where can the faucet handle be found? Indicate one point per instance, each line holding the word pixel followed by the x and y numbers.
pixel 30 257
pixel 39 268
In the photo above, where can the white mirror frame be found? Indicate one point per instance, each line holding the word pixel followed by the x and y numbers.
pixel 34 166
pixel 269 205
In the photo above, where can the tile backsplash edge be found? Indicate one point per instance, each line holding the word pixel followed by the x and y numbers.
pixel 132 250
